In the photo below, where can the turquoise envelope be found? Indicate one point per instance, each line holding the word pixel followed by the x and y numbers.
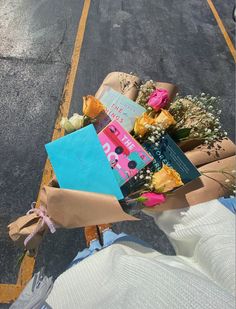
pixel 80 163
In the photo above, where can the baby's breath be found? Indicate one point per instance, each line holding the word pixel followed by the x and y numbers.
pixel 200 114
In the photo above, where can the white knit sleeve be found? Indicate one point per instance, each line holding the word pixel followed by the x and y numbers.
pixel 206 234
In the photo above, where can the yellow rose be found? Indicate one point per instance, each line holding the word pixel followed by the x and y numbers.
pixel 140 124
pixel 92 106
pixel 165 119
pixel 166 179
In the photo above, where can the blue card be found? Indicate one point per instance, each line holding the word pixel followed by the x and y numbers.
pixel 80 163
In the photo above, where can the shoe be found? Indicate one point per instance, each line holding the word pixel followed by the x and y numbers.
pixel 91 233
pixel 95 233
pixel 104 227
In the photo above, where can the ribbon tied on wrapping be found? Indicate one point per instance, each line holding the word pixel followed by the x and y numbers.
pixel 41 212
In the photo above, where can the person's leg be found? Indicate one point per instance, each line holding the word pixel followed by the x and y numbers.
pixel 93 236
pixel 81 255
pixel 107 237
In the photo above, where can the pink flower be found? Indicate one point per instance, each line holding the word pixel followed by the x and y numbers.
pixel 151 199
pixel 158 99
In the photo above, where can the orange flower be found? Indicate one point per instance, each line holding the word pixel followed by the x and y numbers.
pixel 166 179
pixel 165 119
pixel 92 106
pixel 141 123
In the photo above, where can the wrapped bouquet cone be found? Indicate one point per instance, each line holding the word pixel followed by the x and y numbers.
pixel 61 208
pixel 72 208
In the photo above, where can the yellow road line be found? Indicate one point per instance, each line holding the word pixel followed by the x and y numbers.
pixel 222 29
pixel 9 292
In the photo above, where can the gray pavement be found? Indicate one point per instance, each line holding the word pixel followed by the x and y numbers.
pixel 164 40
pixel 37 39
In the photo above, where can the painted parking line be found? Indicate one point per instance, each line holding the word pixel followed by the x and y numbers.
pixel 222 29
pixel 9 292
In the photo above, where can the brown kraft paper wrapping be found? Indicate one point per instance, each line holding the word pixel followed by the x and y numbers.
pixel 72 208
pixel 202 189
pixel 204 154
pixel 127 85
pixel 67 209
pixel 124 83
pixel 24 226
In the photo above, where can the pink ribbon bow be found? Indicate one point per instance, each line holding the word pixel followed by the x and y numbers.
pixel 42 213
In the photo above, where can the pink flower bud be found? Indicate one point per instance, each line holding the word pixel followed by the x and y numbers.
pixel 158 99
pixel 151 199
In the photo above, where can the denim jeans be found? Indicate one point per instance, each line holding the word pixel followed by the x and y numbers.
pixel 109 238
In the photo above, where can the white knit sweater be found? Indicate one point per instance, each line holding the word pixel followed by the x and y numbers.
pixel 127 275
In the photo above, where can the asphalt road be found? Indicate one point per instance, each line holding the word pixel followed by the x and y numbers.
pixel 165 40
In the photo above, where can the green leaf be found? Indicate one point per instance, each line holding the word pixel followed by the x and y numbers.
pixel 141 199
pixel 181 133
pixel 20 259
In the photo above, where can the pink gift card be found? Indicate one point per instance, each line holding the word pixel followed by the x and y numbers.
pixel 126 156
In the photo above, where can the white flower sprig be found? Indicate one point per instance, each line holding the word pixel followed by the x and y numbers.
pixel 143 179
pixel 230 177
pixel 201 114
pixel 156 132
pixel 145 91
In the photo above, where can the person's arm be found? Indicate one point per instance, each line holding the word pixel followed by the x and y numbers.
pixel 205 233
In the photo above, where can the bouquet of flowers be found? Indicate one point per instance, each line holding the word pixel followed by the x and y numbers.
pixel 193 119
pixel 187 120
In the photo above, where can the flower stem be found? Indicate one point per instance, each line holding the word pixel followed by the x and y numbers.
pixel 218 171
pixel 136 192
pixel 130 201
